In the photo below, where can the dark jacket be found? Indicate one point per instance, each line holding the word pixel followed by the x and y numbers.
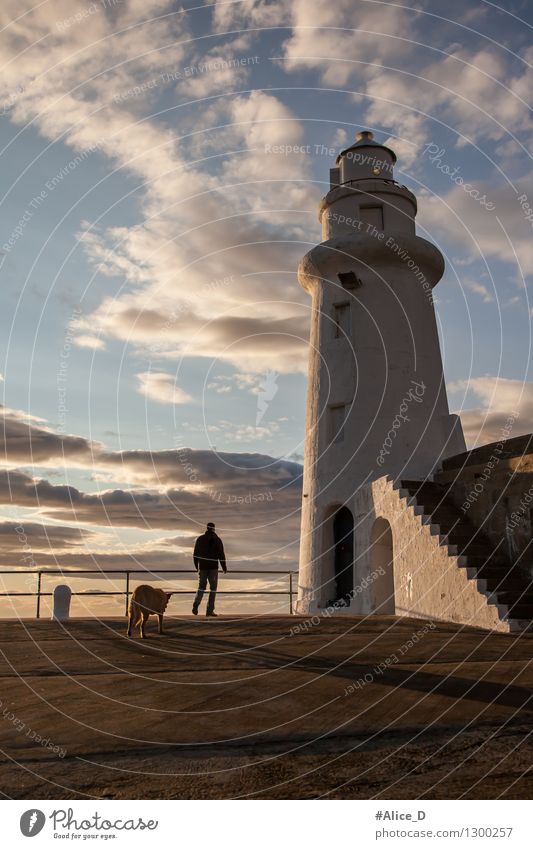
pixel 208 550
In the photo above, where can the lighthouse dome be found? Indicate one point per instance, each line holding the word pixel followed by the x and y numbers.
pixel 366 159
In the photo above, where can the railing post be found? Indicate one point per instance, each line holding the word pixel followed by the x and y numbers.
pixel 39 594
pixel 127 591
pixel 290 593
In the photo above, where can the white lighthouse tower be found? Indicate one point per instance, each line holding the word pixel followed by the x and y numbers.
pixel 377 402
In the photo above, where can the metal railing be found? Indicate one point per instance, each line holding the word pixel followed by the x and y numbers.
pixel 126 592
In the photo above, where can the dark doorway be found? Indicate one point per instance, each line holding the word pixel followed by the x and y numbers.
pixel 343 536
pixel 382 564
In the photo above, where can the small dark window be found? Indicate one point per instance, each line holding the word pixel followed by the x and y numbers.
pixel 334 177
pixel 337 420
pixel 349 280
pixel 341 320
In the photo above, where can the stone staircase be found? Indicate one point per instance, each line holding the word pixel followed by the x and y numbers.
pixel 506 585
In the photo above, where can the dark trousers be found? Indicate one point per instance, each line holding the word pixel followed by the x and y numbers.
pixel 205 576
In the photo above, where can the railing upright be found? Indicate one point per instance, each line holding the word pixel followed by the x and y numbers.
pixel 290 593
pixel 127 591
pixel 38 613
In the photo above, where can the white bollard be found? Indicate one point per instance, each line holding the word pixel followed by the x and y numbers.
pixel 62 596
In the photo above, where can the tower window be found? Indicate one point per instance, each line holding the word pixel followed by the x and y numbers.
pixel 341 320
pixel 334 177
pixel 349 280
pixel 337 417
pixel 372 215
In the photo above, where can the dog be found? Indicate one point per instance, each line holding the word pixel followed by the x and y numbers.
pixel 144 601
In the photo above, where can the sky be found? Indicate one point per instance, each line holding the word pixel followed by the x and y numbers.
pixel 162 166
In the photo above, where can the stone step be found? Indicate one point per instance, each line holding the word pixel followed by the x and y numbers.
pixel 432 505
pixel 511 598
pixel 503 587
pixel 429 486
pixel 447 516
pixel 471 549
pixel 426 489
pixel 461 536
pixel 520 611
pixel 518 626
pixel 492 570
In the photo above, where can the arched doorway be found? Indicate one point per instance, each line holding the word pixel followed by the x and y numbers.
pixel 382 561
pixel 343 540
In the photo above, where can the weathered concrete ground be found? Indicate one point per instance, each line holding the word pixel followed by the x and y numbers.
pixel 227 708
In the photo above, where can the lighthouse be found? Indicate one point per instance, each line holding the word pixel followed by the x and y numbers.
pixel 377 405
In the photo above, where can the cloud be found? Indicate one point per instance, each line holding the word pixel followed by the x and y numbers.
pixel 499 398
pixel 250 13
pixel 174 254
pixel 260 522
pixel 386 55
pixel 457 89
pixel 457 218
pixel 20 537
pixel 266 432
pixel 163 487
pixel 25 444
pixel 86 341
pixel 248 340
pixel 245 382
pixel 336 39
pixel 478 289
pixel 155 560
pixel 253 498
pixel 203 469
pixel 219 387
pixel 220 70
pixel 22 442
pixel 161 387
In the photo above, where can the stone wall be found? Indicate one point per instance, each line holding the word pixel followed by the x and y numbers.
pixel 424 582
pixel 428 582
pixel 493 486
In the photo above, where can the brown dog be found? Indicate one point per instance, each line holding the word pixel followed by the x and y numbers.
pixel 144 601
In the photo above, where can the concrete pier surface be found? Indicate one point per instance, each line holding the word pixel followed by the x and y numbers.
pixel 269 707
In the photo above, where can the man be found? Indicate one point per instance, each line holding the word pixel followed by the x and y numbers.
pixel 208 551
